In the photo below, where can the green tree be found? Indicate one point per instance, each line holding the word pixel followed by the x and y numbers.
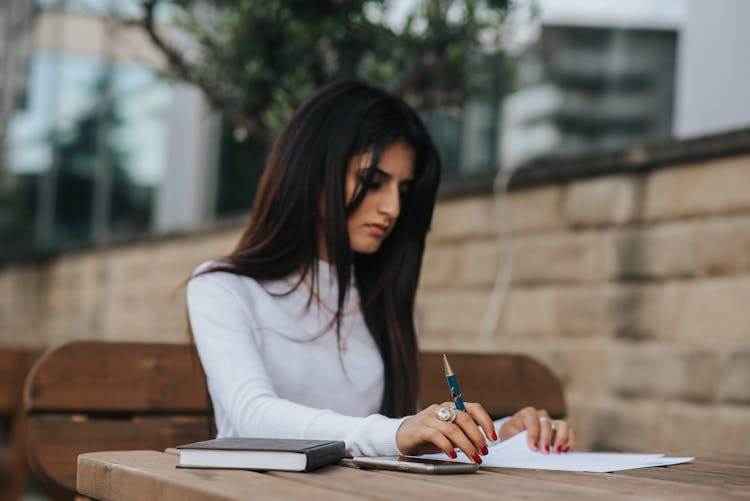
pixel 256 60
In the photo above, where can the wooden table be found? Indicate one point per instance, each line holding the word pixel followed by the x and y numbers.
pixel 151 475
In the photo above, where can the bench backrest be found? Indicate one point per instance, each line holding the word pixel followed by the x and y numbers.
pixel 14 365
pixel 89 396
pixel 503 383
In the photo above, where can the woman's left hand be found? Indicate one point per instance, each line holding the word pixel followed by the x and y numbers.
pixel 545 434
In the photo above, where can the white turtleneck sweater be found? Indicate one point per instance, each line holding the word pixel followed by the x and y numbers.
pixel 273 365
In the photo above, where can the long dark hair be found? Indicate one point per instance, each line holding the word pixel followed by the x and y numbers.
pixel 307 164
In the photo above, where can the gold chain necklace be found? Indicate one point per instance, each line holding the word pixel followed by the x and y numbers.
pixel 343 338
pixel 324 306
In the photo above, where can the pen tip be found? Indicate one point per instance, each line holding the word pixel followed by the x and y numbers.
pixel 447 366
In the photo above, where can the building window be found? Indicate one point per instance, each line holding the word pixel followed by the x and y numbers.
pixel 89 147
pixel 585 89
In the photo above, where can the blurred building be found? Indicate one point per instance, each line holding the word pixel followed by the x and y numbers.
pixel 97 145
pixel 587 88
pixel 16 18
pixel 600 75
pixel 713 69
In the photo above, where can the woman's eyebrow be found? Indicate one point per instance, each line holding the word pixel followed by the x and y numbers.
pixel 388 175
pixel 383 173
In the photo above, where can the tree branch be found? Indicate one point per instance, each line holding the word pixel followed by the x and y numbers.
pixel 184 71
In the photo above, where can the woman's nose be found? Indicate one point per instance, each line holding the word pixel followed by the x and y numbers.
pixel 390 205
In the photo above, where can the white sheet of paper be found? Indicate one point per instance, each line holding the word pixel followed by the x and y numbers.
pixel 515 453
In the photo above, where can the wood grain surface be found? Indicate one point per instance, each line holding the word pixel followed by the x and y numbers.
pixel 151 475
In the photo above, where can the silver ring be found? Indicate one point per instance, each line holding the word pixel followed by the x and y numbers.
pixel 447 414
pixel 552 422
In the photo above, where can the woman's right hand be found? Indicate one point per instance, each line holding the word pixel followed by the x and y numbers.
pixel 424 433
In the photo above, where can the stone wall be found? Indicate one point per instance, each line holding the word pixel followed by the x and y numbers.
pixel 630 278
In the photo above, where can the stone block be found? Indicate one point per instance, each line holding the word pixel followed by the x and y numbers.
pixel 455 342
pixel 624 426
pixel 554 358
pixel 610 200
pixel 661 372
pixel 581 312
pixel 185 260
pixel 715 311
pixel 580 408
pixel 171 324
pixel 640 312
pixel 724 246
pixel 735 379
pixel 480 263
pixel 530 313
pixel 214 244
pixel 586 369
pixel 667 251
pixel 6 283
pixel 26 284
pixel 733 427
pixel 566 257
pixel 439 266
pixel 126 266
pixel 536 209
pixel 449 314
pixel 466 218
pixel 689 429
pixel 716 186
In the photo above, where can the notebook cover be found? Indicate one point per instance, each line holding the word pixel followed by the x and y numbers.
pixel 318 452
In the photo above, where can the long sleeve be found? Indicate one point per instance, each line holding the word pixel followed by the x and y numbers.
pixel 223 318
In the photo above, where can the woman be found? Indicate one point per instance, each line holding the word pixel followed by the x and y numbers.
pixel 306 329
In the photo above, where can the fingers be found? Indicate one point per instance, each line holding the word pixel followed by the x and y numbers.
pixel 465 434
pixel 571 441
pixel 530 422
pixel 562 430
pixel 425 432
pixel 480 416
pixel 565 438
pixel 422 434
pixel 441 441
pixel 544 433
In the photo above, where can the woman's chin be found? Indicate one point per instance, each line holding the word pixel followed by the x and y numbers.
pixel 366 247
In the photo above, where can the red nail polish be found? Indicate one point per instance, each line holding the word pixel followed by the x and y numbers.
pixel 546 449
pixel 567 448
pixel 485 451
pixel 494 436
pixel 476 458
pixel 558 448
pixel 453 454
pixel 535 446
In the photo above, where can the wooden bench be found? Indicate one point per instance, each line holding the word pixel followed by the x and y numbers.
pixel 97 396
pixel 89 396
pixel 14 365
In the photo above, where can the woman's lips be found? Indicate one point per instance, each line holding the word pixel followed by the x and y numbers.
pixel 377 229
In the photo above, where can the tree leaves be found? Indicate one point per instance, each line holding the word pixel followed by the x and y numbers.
pixel 257 60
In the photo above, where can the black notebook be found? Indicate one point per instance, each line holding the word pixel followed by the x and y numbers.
pixel 261 454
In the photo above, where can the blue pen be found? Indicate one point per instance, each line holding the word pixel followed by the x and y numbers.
pixel 453 384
